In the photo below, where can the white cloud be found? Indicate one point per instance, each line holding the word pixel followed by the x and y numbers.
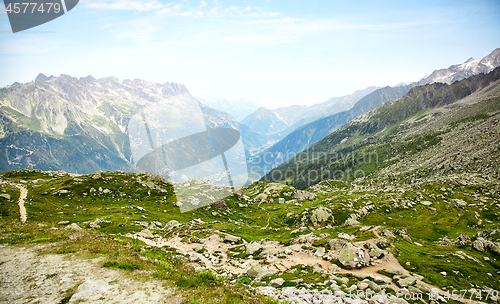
pixel 136 5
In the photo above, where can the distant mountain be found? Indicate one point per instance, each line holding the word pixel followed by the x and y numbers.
pixel 80 125
pixel 282 121
pixel 265 122
pixel 462 71
pixel 308 134
pixel 433 130
pixel 239 108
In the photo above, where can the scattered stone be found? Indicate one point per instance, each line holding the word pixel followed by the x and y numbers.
pixel 259 272
pixel 171 225
pixel 74 226
pixel 63 223
pixel 220 204
pixel 460 203
pixel 388 233
pixel 6 196
pixel 276 283
pixel 304 195
pixel 376 253
pixel 252 247
pixel 352 220
pixel 443 273
pixel 232 239
pixel 426 203
pixel 336 244
pixel 405 282
pixel 394 271
pixel 320 252
pixel 194 258
pixel 145 233
pixel 346 236
pixel 261 198
pixel 479 244
pixel 382 243
pixel 320 215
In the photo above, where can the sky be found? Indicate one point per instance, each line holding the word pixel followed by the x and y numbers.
pixel 275 53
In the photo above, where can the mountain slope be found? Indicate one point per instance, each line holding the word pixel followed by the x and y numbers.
pixel 80 125
pixel 306 135
pixel 239 109
pixel 282 121
pixel 416 135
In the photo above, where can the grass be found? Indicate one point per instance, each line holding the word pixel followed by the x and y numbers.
pixel 394 207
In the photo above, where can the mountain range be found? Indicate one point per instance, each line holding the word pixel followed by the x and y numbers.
pixel 307 134
pixel 80 125
pixel 433 130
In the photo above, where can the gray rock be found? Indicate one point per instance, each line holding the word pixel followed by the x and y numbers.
pixel 362 285
pixel 304 195
pixel 494 248
pixel 171 225
pixel 276 283
pixel 220 204
pixel 426 203
pixel 74 226
pixel 409 281
pixel 479 244
pixel 252 247
pixel 382 243
pixel 388 233
pixel 352 220
pixel 261 198
pixel 349 257
pixel 376 253
pixel 232 239
pixel 373 286
pixel 90 288
pixel 394 271
pixel 320 215
pixel 5 195
pixel 320 252
pixel 259 272
pixel 145 234
pixel 63 223
pixel 336 244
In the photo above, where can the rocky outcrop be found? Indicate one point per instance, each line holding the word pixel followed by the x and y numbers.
pixel 220 204
pixel 259 272
pixel 353 257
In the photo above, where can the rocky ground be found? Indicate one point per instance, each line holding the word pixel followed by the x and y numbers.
pixel 26 276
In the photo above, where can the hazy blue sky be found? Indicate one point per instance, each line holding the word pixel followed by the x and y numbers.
pixel 272 52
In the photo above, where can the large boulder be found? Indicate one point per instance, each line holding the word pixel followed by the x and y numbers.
pixel 259 272
pixel 6 196
pixel 353 257
pixel 352 220
pixel 494 248
pixel 304 195
pixel 321 215
pixel 232 239
pixel 479 244
pixel 336 244
pixel 220 204
pixel 252 247
pixel 171 225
